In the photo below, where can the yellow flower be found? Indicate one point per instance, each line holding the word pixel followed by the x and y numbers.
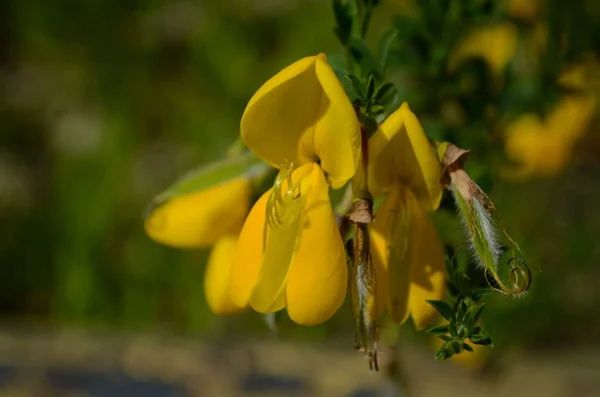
pixel 199 220
pixel 406 250
pixel 290 253
pixel 544 148
pixel 496 44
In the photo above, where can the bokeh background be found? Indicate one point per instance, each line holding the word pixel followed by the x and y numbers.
pixel 105 103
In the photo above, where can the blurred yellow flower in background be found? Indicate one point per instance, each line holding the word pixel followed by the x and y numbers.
pixel 290 253
pixel 496 44
pixel 406 249
pixel 545 147
pixel 526 10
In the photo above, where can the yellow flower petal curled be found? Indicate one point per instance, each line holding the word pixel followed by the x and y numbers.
pixel 400 152
pixel 217 276
pixel 317 280
pixel 248 254
pixel 283 232
pixel 496 44
pixel 302 115
pixel 406 245
pixel 199 219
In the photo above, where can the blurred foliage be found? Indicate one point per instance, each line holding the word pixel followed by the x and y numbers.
pixel 105 103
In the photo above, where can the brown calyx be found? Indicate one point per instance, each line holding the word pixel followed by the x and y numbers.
pixel 362 211
pixel 452 160
pixel 465 185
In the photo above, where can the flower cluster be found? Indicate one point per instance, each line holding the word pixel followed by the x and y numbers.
pixel 289 251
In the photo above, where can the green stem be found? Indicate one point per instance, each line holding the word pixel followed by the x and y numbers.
pixel 363 189
pixel 366 21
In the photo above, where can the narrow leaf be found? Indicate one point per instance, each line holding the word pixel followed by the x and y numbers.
pixel 370 88
pixel 356 85
pixel 440 329
pixel 473 314
pixel 363 57
pixel 385 45
pixel 343 12
pixel 443 308
pixel 382 92
pixel 480 337
pixel 211 175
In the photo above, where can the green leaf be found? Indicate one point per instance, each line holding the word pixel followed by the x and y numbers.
pixel 363 57
pixel 440 329
pixel 480 337
pixel 370 88
pixel 481 293
pixel 211 175
pixel 452 329
pixel 385 44
pixel 377 109
pixel 448 349
pixel 473 314
pixel 344 16
pixel 356 86
pixel 383 92
pixel 443 308
pixel 461 310
pixel 466 347
pixel 445 352
pixel 455 346
pixel 450 268
pixel 446 338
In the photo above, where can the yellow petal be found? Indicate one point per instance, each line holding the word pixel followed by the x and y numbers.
pixel 248 254
pixel 199 219
pixel 404 242
pixel 496 44
pixel 336 136
pixel 317 280
pixel 281 239
pixel 389 234
pixel 428 270
pixel 400 152
pixel 302 115
pixel 218 276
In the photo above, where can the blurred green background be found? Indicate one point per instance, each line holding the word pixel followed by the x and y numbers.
pixel 105 103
